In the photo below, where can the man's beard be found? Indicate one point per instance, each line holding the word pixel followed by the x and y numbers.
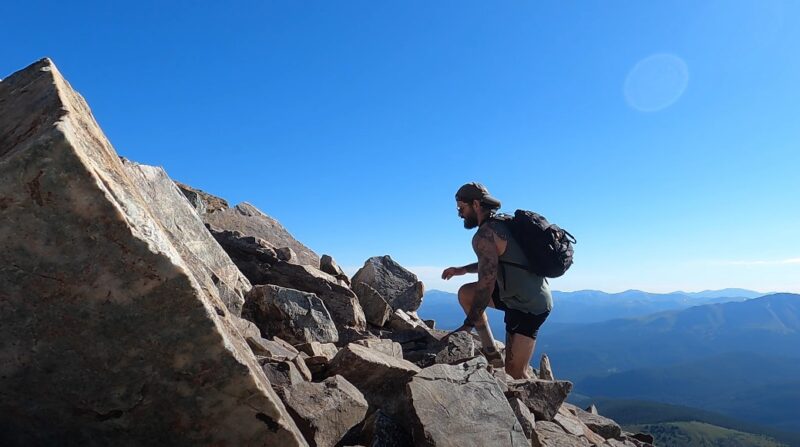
pixel 470 222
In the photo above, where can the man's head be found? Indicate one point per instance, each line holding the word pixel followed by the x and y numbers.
pixel 474 203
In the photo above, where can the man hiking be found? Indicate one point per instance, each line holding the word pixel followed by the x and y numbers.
pixel 503 283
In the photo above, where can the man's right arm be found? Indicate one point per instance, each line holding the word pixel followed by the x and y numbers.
pixel 457 271
pixel 471 268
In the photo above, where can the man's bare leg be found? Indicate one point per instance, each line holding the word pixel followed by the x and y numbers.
pixel 519 350
pixel 466 295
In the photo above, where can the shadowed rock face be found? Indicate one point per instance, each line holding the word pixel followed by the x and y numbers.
pixel 110 333
pixel 250 221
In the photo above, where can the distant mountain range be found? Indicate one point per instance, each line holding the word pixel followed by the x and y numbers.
pixel 769 325
pixel 590 306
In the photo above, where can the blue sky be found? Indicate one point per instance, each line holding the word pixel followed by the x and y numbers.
pixel 664 135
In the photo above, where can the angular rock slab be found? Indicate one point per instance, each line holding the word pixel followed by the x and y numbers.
pixel 250 221
pixel 207 260
pixel 376 309
pixel 603 426
pixel 108 336
pixel 380 377
pixel 328 265
pixel 386 346
pixel 572 425
pixel 398 286
pixel 462 405
pixel 524 416
pixel 299 317
pixel 325 411
pixel 542 397
pixel 550 434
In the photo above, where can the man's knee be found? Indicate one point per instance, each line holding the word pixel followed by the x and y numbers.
pixel 466 293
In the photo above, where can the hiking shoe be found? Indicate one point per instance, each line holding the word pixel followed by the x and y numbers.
pixel 494 357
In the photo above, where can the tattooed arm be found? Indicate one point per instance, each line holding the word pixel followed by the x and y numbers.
pixel 450 272
pixel 484 245
pixel 471 268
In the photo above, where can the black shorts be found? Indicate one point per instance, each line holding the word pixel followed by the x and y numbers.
pixel 518 322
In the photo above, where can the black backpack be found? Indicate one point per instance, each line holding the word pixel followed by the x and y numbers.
pixel 547 246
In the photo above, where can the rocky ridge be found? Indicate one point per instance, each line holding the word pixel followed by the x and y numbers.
pixel 136 311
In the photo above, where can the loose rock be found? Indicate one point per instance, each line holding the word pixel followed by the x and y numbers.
pixel 325 411
pixel 376 309
pixel 542 397
pixel 299 317
pixel 380 377
pixel 398 286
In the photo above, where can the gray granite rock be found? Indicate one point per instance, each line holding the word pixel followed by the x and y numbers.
pixel 545 370
pixel 550 434
pixel 542 397
pixel 208 261
pixel 326 350
pixel 299 317
pixel 524 416
pixel 110 336
pixel 282 375
pixel 286 254
pixel 382 378
pixel 385 346
pixel 325 411
pixel 250 221
pixel 603 426
pixel 398 286
pixel 458 347
pixel 261 265
pixel 202 201
pixel 328 265
pixel 376 309
pixel 571 424
pixel 462 405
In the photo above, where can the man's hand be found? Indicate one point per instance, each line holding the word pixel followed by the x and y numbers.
pixel 453 271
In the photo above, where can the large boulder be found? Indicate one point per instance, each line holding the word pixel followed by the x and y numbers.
pixel 382 378
pixel 296 316
pixel 542 397
pixel 325 411
pixel 110 335
pixel 398 286
pixel 462 405
pixel 203 255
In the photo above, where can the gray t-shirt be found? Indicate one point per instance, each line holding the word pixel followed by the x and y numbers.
pixel 519 288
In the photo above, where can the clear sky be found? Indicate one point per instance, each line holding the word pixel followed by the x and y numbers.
pixel 665 135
